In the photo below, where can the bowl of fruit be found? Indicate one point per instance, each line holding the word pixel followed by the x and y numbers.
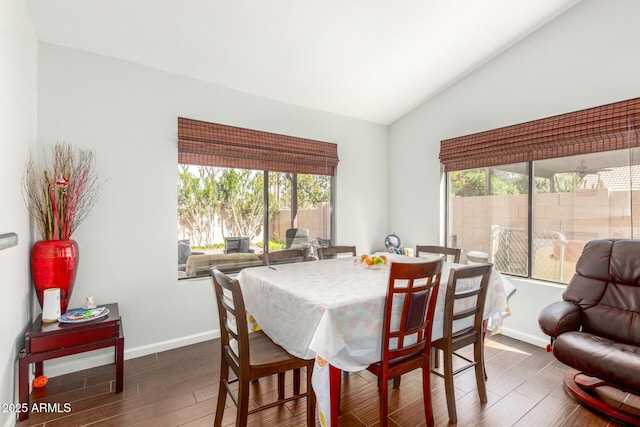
pixel 374 261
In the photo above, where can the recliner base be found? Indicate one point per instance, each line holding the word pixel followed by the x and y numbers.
pixel 583 390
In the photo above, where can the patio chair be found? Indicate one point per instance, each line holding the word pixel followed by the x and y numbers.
pixel 234 245
pixel 297 238
pixel 251 356
pixel 406 342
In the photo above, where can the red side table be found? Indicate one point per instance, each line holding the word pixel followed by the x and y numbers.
pixel 46 341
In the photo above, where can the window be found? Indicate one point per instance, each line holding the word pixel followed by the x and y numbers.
pixel 487 207
pixel 578 179
pixel 229 211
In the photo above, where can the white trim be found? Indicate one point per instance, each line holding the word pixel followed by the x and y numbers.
pixel 57 367
pixel 12 420
pixel 531 339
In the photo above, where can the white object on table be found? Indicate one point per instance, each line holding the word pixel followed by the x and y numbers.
pixel 90 303
pixel 51 305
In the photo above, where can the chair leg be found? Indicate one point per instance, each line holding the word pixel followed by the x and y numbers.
pixel 480 371
pixel 243 404
pixel 296 381
pixel 485 323
pixel 280 385
pixel 426 393
pixel 448 386
pixel 396 381
pixel 435 357
pixel 222 393
pixel 383 390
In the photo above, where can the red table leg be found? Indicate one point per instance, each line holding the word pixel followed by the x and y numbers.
pixel 334 391
pixel 120 364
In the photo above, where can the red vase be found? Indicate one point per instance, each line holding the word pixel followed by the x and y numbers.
pixel 54 264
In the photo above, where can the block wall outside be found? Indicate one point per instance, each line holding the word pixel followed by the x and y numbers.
pixel 580 216
pixel 317 221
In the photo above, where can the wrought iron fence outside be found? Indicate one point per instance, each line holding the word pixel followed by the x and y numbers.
pixel 509 250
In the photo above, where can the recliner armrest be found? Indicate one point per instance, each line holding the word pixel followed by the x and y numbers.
pixel 559 317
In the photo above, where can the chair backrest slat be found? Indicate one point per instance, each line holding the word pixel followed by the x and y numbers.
pixel 476 281
pixel 286 255
pixel 231 311
pixel 334 251
pixel 439 250
pixel 415 287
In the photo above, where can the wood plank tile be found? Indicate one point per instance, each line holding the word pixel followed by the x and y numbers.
pixel 179 387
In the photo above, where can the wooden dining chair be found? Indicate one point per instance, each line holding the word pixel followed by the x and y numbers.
pixel 251 356
pixel 454 253
pixel 406 341
pixel 455 338
pixel 286 256
pixel 335 251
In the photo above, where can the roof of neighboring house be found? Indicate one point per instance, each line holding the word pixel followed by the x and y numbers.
pixel 615 179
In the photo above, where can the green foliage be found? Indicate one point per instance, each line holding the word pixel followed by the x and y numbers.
pixel 273 245
pixel 313 189
pixel 508 183
pixel 466 183
pixel 198 201
pixel 566 182
pixel 472 182
pixel 235 198
pixel 542 185
pixel 209 246
pixel 240 193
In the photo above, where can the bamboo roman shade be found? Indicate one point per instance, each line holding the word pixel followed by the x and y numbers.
pixel 604 128
pixel 212 144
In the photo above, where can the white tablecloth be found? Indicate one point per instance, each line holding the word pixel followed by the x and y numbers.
pixel 334 309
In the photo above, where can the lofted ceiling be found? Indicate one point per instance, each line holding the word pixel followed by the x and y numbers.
pixel 369 59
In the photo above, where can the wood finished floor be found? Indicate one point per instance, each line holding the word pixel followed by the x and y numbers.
pixel 179 388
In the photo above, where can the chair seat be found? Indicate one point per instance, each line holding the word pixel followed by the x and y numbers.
pixel 459 340
pixel 616 363
pixel 400 365
pixel 252 356
pixel 265 354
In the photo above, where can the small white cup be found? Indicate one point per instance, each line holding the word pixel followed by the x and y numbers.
pixel 51 305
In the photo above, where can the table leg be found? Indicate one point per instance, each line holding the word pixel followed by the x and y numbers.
pixel 39 369
pixel 23 385
pixel 334 392
pixel 119 364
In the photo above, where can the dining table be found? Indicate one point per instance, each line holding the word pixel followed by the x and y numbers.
pixel 333 310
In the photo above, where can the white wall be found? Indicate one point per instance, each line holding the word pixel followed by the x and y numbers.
pixel 128 249
pixel 587 57
pixel 18 52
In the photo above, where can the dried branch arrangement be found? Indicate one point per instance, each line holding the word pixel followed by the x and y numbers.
pixel 60 195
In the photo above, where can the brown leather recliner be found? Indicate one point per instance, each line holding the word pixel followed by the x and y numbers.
pixel 596 328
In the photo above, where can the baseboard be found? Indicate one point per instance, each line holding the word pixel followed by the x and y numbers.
pixel 531 339
pixel 10 421
pixel 79 362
